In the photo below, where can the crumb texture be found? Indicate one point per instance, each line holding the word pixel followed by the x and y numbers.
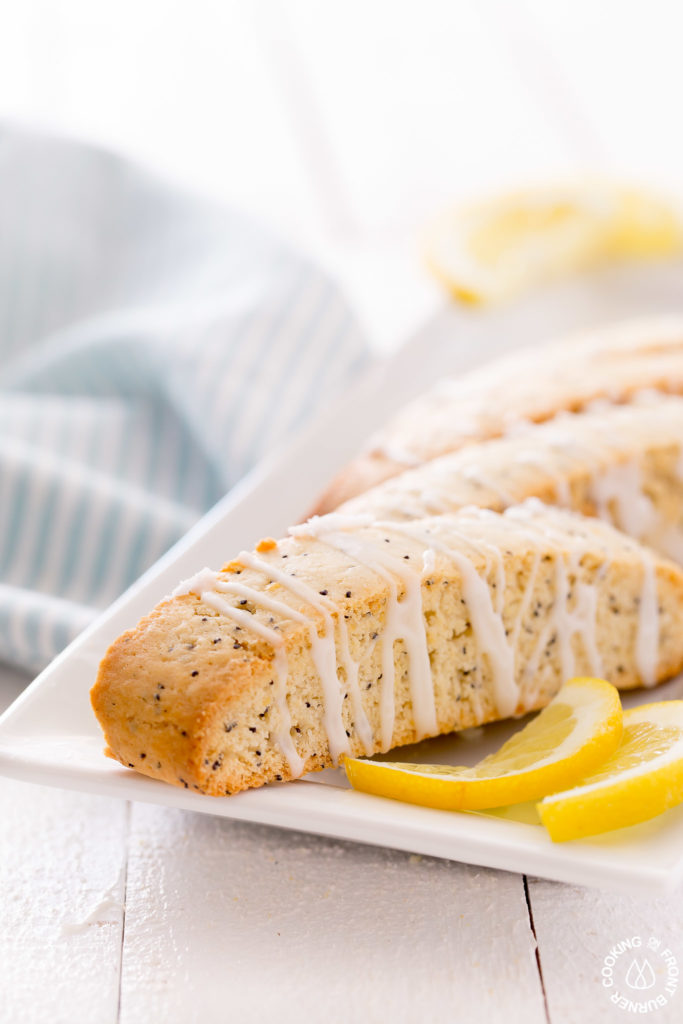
pixel 355 638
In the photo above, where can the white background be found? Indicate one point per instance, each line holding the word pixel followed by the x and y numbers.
pixel 345 126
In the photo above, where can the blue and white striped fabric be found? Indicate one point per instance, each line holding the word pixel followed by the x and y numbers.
pixel 153 348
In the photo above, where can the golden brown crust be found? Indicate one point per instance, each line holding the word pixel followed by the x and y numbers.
pixel 531 384
pixel 189 698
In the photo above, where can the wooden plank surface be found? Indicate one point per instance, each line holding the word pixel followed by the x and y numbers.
pixel 62 879
pixel 62 868
pixel 578 928
pixel 232 921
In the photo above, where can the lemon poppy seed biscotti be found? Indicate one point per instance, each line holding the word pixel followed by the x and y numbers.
pixel 353 636
pixel 532 384
pixel 623 463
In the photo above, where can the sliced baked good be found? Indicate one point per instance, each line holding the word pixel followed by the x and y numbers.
pixel 353 636
pixel 623 463
pixel 530 384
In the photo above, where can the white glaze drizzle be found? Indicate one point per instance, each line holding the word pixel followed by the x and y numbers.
pixel 348 663
pixel 647 629
pixel 351 668
pixel 487 623
pixel 395 453
pixel 476 476
pixel 428 562
pixel 404 621
pixel 207 581
pixel 581 621
pixel 404 618
pixel 197 584
pixel 204 584
pixel 647 639
pixel 618 489
pixel 323 652
pixel 622 485
pixel 586 440
pixel 565 623
pixel 635 513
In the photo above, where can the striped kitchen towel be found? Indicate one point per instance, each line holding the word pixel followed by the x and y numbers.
pixel 153 347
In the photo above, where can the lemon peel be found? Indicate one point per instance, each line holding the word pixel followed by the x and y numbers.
pixel 575 733
pixel 640 780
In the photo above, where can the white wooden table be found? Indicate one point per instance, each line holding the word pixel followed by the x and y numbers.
pixel 345 126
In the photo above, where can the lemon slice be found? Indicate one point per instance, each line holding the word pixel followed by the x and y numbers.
pixel 577 731
pixel 642 778
pixel 495 249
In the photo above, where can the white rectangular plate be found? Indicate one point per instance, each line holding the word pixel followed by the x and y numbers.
pixel 50 735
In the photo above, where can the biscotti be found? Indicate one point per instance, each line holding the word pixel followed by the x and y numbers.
pixel 353 636
pixel 531 384
pixel 623 463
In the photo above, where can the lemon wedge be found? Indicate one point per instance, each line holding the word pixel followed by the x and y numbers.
pixel 494 249
pixel 578 730
pixel 641 779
